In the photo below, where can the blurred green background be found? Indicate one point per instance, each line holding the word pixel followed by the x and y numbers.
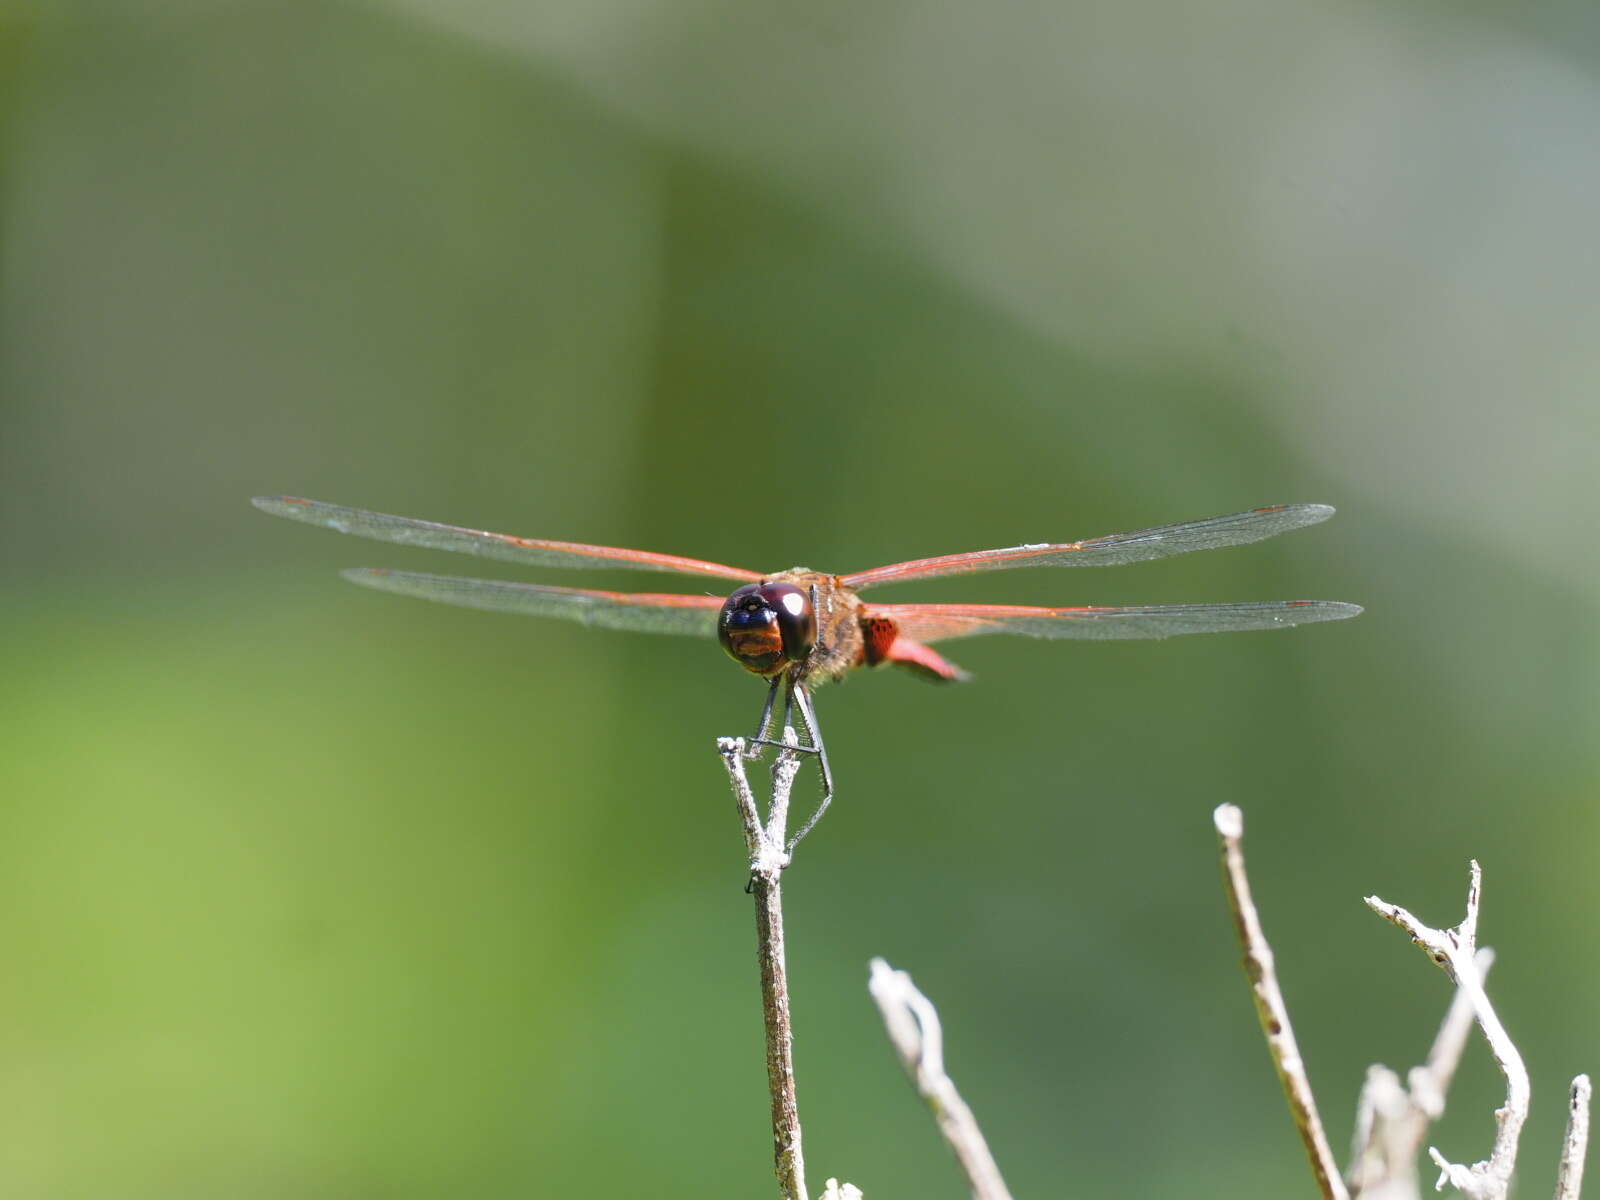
pixel 309 891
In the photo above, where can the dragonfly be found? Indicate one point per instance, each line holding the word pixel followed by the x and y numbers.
pixel 799 628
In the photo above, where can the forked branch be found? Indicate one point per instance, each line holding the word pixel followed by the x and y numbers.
pixel 1392 1118
pixel 1455 950
pixel 768 858
pixel 767 862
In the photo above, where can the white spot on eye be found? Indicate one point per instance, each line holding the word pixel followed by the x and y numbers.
pixel 795 603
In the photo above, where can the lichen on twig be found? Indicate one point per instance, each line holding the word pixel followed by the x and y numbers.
pixel 1456 950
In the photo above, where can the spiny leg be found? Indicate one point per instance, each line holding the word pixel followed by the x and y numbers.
pixel 808 714
pixel 788 718
pixel 760 739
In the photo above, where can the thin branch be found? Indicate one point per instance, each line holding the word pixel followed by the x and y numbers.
pixel 1383 1161
pixel 1455 951
pixel 1392 1119
pixel 1270 1008
pixel 1451 1043
pixel 767 863
pixel 1569 1179
pixel 913 1025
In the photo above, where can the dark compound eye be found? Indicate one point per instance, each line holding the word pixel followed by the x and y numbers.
pixel 767 625
pixel 795 618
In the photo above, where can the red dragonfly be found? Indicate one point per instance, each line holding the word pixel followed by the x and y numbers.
pixel 798 628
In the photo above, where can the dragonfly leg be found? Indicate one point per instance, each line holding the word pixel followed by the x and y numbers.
pixel 788 718
pixel 808 714
pixel 760 739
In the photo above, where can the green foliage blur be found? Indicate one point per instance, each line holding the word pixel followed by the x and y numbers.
pixel 307 891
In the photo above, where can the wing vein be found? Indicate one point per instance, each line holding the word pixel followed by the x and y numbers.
pixel 1143 545
pixel 639 612
pixel 536 552
pixel 936 622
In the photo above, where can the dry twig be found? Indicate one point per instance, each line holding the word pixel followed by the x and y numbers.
pixel 913 1025
pixel 1569 1179
pixel 1392 1119
pixel 768 859
pixel 1455 950
pixel 1270 1008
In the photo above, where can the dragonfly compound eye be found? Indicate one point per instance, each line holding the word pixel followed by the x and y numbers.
pixel 766 626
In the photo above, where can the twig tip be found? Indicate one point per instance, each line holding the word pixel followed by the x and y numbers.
pixel 1229 820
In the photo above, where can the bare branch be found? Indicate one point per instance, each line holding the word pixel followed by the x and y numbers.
pixel 1450 1043
pixel 1569 1179
pixel 733 753
pixel 1392 1120
pixel 913 1025
pixel 1270 1008
pixel 767 863
pixel 1455 950
pixel 1382 1159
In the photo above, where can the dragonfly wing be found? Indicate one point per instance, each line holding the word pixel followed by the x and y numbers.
pixel 1235 529
pixel 933 622
pixel 641 612
pixel 408 531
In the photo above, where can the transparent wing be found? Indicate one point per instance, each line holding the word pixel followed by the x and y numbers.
pixel 407 531
pixel 641 612
pixel 933 622
pixel 1235 529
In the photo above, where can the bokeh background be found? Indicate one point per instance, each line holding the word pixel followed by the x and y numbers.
pixel 310 891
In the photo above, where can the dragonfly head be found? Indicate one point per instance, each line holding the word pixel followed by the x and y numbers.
pixel 768 626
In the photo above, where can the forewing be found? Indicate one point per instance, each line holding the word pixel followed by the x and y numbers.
pixel 934 622
pixel 1235 529
pixel 408 531
pixel 641 612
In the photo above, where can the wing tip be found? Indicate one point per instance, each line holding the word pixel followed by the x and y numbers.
pixel 283 506
pixel 365 576
pixel 1327 610
pixel 1303 514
